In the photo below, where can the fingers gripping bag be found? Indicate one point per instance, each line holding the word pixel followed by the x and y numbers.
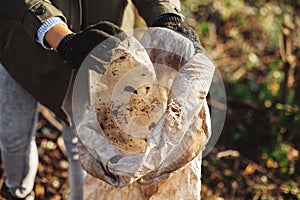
pixel 147 116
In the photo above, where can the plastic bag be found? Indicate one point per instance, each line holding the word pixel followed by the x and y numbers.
pixel 175 129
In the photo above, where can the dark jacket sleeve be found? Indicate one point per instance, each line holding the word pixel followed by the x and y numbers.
pixel 30 14
pixel 151 9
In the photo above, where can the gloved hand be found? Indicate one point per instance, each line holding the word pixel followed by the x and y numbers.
pixel 74 47
pixel 176 23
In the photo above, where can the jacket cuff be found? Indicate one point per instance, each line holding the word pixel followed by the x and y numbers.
pixel 37 15
pixel 44 28
pixel 152 11
pixel 167 20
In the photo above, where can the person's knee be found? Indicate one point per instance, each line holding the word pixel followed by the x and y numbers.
pixel 17 129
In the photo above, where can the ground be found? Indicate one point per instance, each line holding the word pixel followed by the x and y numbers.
pixel 227 173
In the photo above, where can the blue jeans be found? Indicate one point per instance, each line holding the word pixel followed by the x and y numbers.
pixel 18 116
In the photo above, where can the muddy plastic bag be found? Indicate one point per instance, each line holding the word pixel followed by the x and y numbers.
pixel 184 184
pixel 148 118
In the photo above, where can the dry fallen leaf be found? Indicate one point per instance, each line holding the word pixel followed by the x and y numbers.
pixel 227 153
pixel 250 169
pixel 292 154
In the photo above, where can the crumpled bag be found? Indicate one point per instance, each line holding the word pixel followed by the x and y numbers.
pixel 184 184
pixel 119 148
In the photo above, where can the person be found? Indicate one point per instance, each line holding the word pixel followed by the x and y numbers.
pixel 43 43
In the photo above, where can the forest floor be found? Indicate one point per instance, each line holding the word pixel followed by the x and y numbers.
pixel 227 173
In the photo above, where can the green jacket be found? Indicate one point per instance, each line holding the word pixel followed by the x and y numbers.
pixel 41 72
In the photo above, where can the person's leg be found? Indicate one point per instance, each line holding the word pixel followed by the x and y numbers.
pixel 18 115
pixel 76 174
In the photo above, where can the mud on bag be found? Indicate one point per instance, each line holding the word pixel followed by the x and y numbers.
pixel 147 115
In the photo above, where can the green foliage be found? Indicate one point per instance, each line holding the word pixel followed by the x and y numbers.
pixel 204 28
pixel 277 158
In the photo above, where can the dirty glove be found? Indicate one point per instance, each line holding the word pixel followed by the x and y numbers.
pixel 74 47
pixel 176 23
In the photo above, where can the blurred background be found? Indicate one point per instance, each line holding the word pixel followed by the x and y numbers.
pixel 256 47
